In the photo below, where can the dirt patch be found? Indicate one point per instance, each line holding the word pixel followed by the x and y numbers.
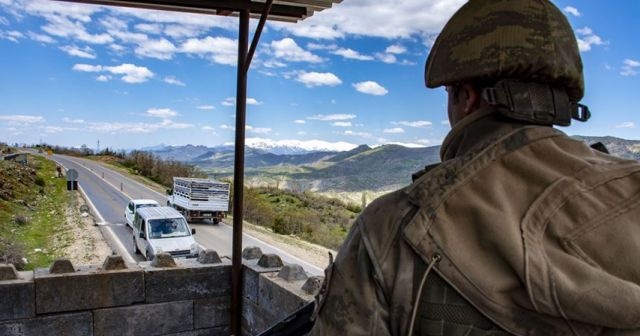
pixel 83 243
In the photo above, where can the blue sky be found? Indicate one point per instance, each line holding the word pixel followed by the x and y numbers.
pixel 74 74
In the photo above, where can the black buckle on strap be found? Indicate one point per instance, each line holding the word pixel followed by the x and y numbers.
pixel 580 112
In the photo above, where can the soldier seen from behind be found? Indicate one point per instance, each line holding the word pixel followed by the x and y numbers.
pixel 520 230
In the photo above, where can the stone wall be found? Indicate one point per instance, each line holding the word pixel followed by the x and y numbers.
pixel 163 297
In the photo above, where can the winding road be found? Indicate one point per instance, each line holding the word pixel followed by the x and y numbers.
pixel 108 192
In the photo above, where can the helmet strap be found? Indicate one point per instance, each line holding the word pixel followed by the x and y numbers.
pixel 534 103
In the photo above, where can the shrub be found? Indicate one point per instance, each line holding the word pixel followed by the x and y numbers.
pixel 40 181
pixel 21 220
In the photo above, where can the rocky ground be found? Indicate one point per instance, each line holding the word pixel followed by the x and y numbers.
pixel 86 246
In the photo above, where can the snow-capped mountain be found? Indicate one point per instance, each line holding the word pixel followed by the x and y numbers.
pixel 292 147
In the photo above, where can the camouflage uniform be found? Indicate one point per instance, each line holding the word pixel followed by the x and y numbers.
pixel 495 242
pixel 536 232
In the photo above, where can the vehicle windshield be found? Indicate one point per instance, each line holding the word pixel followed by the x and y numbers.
pixel 145 206
pixel 168 228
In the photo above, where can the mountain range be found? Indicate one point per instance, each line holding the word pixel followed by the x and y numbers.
pixel 361 168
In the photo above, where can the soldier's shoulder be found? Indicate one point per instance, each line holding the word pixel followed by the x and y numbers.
pixel 381 220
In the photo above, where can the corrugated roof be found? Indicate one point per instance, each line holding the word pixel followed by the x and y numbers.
pixel 281 10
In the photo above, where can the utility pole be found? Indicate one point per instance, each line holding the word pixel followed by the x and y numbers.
pixel 98 149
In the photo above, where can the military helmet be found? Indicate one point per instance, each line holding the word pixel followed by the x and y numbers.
pixel 489 40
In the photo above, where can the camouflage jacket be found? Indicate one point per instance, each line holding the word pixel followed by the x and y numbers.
pixel 536 230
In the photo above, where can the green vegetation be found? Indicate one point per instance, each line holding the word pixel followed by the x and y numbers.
pixel 317 219
pixel 139 163
pixel 32 213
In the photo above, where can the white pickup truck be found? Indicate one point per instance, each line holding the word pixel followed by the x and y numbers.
pixel 197 198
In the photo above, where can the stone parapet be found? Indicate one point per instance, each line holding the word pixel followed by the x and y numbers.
pixel 87 288
pixel 17 297
pixel 145 319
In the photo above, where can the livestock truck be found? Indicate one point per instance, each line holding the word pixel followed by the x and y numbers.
pixel 199 199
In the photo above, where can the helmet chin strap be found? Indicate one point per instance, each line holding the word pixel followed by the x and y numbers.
pixel 534 103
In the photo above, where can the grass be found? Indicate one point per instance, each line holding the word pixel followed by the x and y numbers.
pixel 40 199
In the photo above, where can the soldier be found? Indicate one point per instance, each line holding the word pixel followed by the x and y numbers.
pixel 521 229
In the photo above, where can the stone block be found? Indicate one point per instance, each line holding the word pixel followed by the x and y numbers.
pixel 76 324
pixel 255 319
pixel 208 256
pixel 292 272
pixel 312 285
pixel 210 313
pixel 113 262
pixel 251 252
pixel 218 331
pixel 18 297
pixel 270 260
pixel 251 278
pixel 189 281
pixel 281 297
pixel 60 266
pixel 163 260
pixel 88 288
pixel 145 319
pixel 8 272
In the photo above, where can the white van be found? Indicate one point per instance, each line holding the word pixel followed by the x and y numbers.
pixel 133 206
pixel 163 229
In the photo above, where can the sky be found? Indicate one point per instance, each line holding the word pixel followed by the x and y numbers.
pixel 74 74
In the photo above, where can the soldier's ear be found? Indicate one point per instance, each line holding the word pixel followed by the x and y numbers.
pixel 470 98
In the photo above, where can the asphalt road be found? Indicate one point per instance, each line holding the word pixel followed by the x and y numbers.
pixel 109 192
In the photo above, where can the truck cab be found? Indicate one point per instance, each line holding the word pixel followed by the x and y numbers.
pixel 133 206
pixel 163 229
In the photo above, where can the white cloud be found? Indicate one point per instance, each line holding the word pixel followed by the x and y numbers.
pixel 130 73
pixel 319 46
pixel 85 52
pixel 387 58
pixel 572 10
pixel 21 119
pixel 12 35
pixel 150 28
pixel 173 81
pixel 73 121
pixel 182 31
pixel 301 133
pixel 3 20
pixel 289 50
pixel 299 121
pixel 626 124
pixel 161 49
pixel 311 79
pixel 231 101
pixel 395 49
pixel 332 117
pixel 227 127
pixel 205 107
pixel 630 68
pixel 586 39
pixel 342 124
pixel 219 50
pixel 135 127
pixel 395 130
pixel 403 19
pixel 42 38
pixel 417 123
pixel 208 128
pixel 406 144
pixel 103 78
pixel 161 113
pixel 445 122
pixel 370 87
pixel 361 134
pixel 258 130
pixel 352 54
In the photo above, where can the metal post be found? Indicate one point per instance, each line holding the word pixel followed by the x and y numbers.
pixel 238 176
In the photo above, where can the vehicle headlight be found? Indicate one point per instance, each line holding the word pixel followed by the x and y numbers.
pixel 158 250
pixel 194 248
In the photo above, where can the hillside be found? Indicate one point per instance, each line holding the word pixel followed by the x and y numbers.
pixel 363 168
